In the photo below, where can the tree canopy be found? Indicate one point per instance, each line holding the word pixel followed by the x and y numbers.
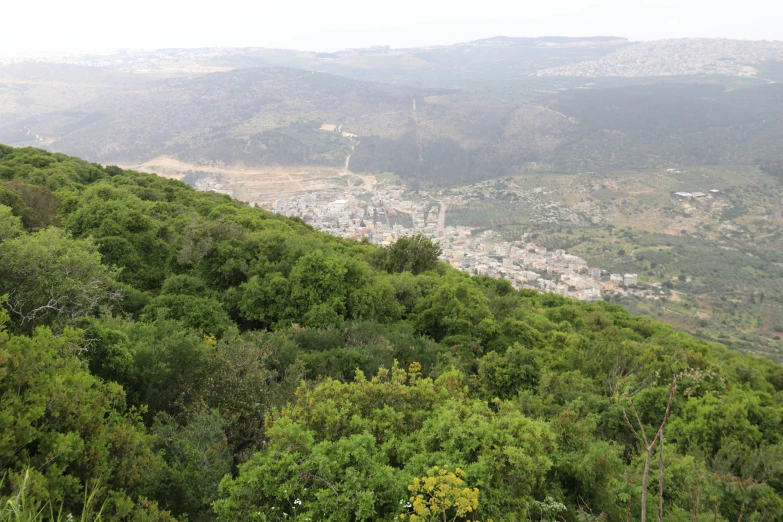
pixel 178 354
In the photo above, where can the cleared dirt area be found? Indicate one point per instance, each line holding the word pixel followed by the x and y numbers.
pixel 259 184
pixel 676 296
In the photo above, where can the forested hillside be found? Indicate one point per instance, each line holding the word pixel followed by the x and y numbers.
pixel 252 116
pixel 30 88
pixel 672 124
pixel 578 130
pixel 273 117
pixel 172 354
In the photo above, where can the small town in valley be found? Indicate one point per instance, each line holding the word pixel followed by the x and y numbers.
pixel 384 214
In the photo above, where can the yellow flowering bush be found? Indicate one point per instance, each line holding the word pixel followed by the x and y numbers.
pixel 441 495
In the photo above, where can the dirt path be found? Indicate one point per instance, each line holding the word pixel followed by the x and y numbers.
pixel 569 118
pixel 347 161
pixel 298 183
pixel 673 312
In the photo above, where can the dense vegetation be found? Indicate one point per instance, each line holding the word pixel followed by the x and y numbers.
pixel 672 124
pixel 597 129
pixel 736 286
pixel 711 265
pixel 166 353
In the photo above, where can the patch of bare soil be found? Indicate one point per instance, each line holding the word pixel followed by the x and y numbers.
pixel 255 184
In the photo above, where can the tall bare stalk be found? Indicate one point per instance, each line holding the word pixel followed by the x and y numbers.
pixel 649 446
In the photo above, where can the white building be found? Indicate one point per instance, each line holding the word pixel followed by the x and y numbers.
pixel 630 279
pixel 337 206
pixel 530 276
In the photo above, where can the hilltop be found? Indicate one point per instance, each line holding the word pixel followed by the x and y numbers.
pixel 476 62
pixel 677 57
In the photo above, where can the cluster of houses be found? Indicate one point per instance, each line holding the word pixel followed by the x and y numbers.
pixel 676 57
pixel 385 214
pixel 530 266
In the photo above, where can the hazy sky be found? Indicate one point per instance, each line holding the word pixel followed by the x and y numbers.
pixel 326 25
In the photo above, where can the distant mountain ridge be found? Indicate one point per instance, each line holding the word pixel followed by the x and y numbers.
pixel 684 56
pixel 492 107
pixel 539 40
pixel 276 116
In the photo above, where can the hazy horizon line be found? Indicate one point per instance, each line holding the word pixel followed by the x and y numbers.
pixel 114 50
